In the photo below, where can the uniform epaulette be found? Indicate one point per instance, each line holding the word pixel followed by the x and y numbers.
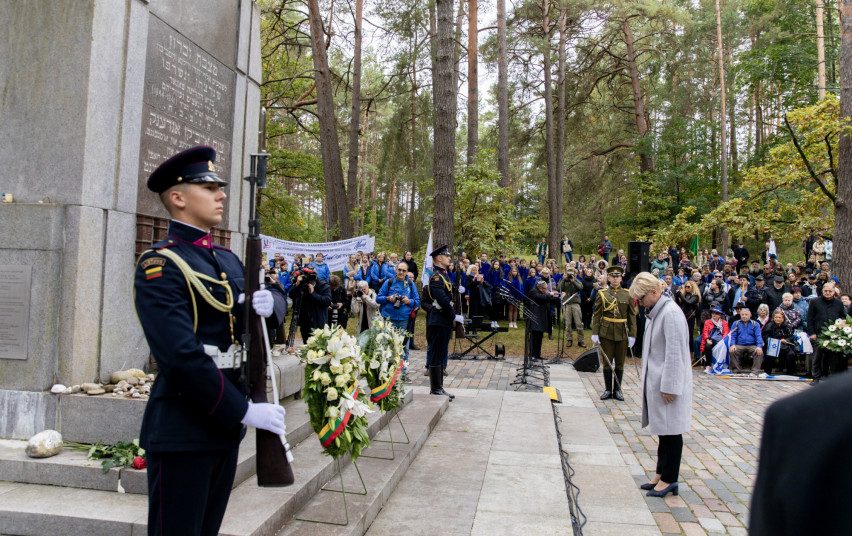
pixel 436 277
pixel 167 243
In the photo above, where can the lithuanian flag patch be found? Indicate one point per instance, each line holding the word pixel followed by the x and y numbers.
pixel 153 272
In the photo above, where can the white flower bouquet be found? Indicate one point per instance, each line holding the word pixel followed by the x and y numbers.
pixel 382 346
pixel 337 404
pixel 837 337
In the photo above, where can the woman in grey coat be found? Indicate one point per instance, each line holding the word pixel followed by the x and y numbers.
pixel 666 380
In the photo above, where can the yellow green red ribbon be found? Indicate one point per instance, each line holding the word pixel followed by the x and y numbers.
pixel 384 390
pixel 329 433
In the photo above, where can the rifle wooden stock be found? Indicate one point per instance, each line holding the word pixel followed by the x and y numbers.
pixel 273 469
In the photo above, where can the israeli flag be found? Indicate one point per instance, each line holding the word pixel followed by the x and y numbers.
pixel 720 356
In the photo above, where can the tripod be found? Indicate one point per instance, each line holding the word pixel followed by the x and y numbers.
pixel 529 374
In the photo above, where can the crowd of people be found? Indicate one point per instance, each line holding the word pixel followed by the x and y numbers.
pixel 755 298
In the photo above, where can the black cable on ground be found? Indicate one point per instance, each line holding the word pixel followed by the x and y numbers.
pixel 578 518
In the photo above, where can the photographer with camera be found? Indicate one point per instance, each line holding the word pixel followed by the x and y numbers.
pixel 339 310
pixel 364 305
pixel 571 309
pixel 398 298
pixel 312 297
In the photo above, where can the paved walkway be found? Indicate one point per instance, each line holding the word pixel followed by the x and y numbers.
pixel 490 467
pixel 720 453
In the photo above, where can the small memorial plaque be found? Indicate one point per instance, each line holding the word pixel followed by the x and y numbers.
pixel 15 284
pixel 188 100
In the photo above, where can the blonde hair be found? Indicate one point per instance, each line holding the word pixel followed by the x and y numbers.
pixel 643 283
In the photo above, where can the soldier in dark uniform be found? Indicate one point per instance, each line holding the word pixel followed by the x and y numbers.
pixel 614 330
pixel 439 324
pixel 187 293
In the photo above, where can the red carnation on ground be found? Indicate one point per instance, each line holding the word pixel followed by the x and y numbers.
pixel 139 462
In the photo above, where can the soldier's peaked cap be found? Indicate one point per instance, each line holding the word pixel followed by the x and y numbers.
pixel 615 270
pixel 440 250
pixel 191 166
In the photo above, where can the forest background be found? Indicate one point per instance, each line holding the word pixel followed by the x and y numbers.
pixel 500 123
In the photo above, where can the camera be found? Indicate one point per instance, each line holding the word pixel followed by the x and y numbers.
pixel 397 301
pixel 359 293
pixel 308 279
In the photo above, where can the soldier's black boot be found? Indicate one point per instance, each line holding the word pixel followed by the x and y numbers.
pixel 436 380
pixel 607 394
pixel 619 374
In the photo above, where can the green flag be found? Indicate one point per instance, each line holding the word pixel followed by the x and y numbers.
pixel 693 245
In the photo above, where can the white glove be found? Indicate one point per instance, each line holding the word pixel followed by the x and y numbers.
pixel 459 319
pixel 596 339
pixel 262 303
pixel 461 289
pixel 631 341
pixel 241 299
pixel 269 417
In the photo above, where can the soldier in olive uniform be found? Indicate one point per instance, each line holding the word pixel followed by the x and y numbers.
pixel 614 330
pixel 437 300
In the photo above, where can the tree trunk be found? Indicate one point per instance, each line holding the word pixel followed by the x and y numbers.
pixel 842 238
pixel 412 166
pixel 560 128
pixel 355 120
pixel 502 97
pixel 445 106
pixel 723 116
pixel 732 112
pixel 646 159
pixel 472 82
pixel 758 118
pixel 457 48
pixel 820 32
pixel 336 204
pixel 549 148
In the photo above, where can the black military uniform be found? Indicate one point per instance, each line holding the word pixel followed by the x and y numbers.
pixel 186 292
pixel 439 323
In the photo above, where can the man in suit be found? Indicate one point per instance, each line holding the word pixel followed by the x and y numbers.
pixel 805 474
pixel 187 292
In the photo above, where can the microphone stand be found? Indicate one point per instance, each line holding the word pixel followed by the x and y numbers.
pixel 527 373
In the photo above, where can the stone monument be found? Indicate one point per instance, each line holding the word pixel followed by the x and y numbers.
pixel 93 95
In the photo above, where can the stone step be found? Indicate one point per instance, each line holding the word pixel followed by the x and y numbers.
pixel 381 474
pixel 73 469
pixel 42 509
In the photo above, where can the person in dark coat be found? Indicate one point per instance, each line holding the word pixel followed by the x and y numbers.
pixel 195 418
pixel 756 295
pixel 804 475
pixel 741 254
pixel 823 311
pixel 312 297
pixel 540 320
pixel 779 329
pixel 775 292
pixel 441 318
pixel 338 311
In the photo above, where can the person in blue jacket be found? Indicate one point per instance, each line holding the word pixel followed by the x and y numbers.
pixel 397 298
pixel 389 269
pixel 320 267
pixel 363 271
pixel 284 274
pixel 529 281
pixel 377 273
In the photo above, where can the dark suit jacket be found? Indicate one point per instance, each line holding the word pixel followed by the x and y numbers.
pixel 804 480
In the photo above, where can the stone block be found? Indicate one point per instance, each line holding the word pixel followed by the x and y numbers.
pixel 254 66
pixel 243 44
pixel 291 375
pixel 82 280
pixel 131 126
pixel 34 104
pixel 118 419
pixel 497 523
pixel 26 413
pixel 238 168
pixel 37 371
pixel 31 226
pixel 596 528
pixel 122 344
pixel 211 24
pixel 103 105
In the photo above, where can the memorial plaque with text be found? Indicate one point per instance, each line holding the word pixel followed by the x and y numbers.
pixel 188 100
pixel 15 284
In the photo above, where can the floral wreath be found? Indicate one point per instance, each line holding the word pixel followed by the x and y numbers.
pixel 837 337
pixel 337 404
pixel 382 346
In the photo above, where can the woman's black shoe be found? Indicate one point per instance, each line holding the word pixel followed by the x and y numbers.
pixel 671 488
pixel 647 486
